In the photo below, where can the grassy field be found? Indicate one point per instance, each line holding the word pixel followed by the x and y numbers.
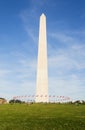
pixel 42 117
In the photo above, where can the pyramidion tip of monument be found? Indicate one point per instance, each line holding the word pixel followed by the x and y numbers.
pixel 43 14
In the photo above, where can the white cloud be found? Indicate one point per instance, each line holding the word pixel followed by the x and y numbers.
pixel 72 88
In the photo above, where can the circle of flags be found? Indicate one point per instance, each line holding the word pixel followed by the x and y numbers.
pixel 51 98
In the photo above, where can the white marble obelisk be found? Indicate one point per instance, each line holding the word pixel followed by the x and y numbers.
pixel 42 68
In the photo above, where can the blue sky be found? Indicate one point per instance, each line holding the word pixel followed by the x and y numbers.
pixel 19 28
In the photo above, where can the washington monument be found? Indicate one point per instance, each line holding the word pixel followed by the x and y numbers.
pixel 42 68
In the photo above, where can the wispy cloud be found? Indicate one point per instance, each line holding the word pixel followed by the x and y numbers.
pixel 20 80
pixel 4 72
pixel 66 64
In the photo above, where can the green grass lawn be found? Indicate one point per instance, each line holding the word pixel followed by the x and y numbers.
pixel 42 117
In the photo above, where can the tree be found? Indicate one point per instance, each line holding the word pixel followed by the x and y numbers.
pixel 15 101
